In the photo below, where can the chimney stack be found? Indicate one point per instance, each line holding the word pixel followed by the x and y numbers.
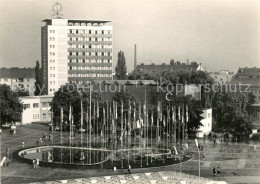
pixel 135 59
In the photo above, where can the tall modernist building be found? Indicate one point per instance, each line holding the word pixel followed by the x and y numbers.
pixel 75 51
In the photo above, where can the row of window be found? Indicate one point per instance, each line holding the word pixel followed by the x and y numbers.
pixel 89 53
pixel 52 75
pixel 52 46
pixel 52 38
pixel 52 89
pixel 89 68
pixel 75 31
pixel 89 61
pixel 52 60
pixel 93 39
pixel 35 105
pixel 52 82
pixel 73 46
pixel 52 68
pixel 89 75
pixel 15 80
pixel 52 31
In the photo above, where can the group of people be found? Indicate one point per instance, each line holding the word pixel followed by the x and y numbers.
pixel 216 171
pixel 44 137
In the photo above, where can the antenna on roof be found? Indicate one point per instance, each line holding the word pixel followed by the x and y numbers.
pixel 56 9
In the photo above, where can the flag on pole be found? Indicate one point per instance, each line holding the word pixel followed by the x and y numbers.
pixel 179 113
pixel 81 114
pixel 70 114
pixel 183 114
pixel 116 110
pixel 173 114
pixel 187 113
pixel 97 109
pixel 61 114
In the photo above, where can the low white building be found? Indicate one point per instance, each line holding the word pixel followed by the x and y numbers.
pixel 206 122
pixel 36 109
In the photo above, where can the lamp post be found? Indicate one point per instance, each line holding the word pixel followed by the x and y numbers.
pixel 196 142
pixel 176 153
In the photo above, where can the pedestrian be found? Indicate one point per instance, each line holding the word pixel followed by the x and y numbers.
pixel 40 141
pixel 218 171
pixel 129 169
pixel 254 146
pixel 203 155
pixel 37 142
pixel 49 137
pixel 214 170
pixel 204 138
pixel 23 144
pixel 201 147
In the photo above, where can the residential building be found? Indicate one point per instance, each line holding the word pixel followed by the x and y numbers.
pixel 75 51
pixel 36 109
pixel 222 76
pixel 19 79
pixel 206 122
pixel 150 68
pixel 250 77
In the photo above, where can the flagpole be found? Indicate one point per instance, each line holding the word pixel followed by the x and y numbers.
pixel 140 134
pixel 151 134
pixel 121 137
pixel 90 101
pixel 61 120
pixel 135 123
pixel 129 130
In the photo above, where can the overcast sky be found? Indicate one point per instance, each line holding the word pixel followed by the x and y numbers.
pixel 220 34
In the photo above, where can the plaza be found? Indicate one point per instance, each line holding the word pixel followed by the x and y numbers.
pixel 238 162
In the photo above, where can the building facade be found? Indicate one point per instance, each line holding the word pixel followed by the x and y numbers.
pixel 19 79
pixel 222 76
pixel 75 51
pixel 250 78
pixel 36 109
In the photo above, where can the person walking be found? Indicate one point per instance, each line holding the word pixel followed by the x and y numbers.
pixel 218 171
pixel 214 170
pixel 23 144
pixel 129 169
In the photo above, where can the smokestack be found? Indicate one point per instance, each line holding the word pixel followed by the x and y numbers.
pixel 135 58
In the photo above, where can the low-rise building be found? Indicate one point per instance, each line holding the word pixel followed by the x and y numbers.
pixel 36 109
pixel 206 122
pixel 222 76
pixel 150 68
pixel 19 79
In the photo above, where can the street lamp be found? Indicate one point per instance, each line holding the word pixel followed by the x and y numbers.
pixel 196 142
pixel 176 153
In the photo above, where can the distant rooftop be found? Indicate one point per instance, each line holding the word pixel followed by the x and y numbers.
pixel 75 22
pixel 174 67
pixel 249 71
pixel 247 76
pixel 16 72
pixel 125 82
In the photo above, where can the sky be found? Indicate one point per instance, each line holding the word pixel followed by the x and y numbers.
pixel 220 34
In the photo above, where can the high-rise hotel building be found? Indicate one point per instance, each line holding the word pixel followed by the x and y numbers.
pixel 75 51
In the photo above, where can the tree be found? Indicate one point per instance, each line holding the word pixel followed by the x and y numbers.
pixel 69 95
pixel 121 66
pixel 195 110
pixel 231 113
pixel 125 97
pixel 11 107
pixel 38 79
